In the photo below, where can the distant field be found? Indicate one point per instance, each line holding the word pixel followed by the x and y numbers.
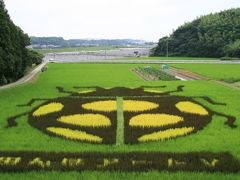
pixel 172 58
pixel 228 73
pixel 59 50
pixel 77 49
pixel 215 137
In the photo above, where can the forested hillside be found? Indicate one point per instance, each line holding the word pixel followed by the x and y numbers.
pixel 214 35
pixel 41 42
pixel 14 57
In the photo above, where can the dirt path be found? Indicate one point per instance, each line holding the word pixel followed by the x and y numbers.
pixel 237 84
pixel 28 78
pixel 233 86
pixel 185 75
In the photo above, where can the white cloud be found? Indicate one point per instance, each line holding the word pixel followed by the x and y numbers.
pixel 141 19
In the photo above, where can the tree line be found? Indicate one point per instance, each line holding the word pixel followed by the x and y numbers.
pixel 15 58
pixel 37 42
pixel 213 35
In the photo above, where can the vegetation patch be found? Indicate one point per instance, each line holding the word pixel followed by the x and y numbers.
pixel 128 105
pixel 97 115
pixel 92 120
pixel 143 75
pixel 152 90
pixel 118 119
pixel 138 106
pixel 152 73
pixel 86 91
pixel 231 80
pixel 48 108
pixel 154 120
pixel 105 106
pixel 192 108
pixel 167 121
pixel 73 122
pixel 131 161
pixel 166 134
pixel 75 134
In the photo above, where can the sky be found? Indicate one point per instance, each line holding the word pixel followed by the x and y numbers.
pixel 109 19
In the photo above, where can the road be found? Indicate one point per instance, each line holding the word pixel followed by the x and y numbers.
pixel 135 61
pixel 26 78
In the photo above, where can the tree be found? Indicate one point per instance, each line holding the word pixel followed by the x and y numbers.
pixel 233 50
pixel 14 56
pixel 207 36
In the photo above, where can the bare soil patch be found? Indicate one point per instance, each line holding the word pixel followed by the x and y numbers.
pixel 184 74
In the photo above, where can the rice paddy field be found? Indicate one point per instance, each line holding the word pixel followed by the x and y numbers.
pixel 102 121
pixel 77 49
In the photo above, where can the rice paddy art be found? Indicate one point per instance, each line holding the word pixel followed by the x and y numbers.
pixel 94 116
pixel 148 115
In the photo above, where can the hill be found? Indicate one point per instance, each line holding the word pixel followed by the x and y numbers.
pixel 14 56
pixel 213 35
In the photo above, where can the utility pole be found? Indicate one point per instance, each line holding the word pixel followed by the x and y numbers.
pixel 105 53
pixel 167 48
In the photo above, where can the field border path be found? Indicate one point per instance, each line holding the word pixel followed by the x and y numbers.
pixel 120 122
pixel 226 84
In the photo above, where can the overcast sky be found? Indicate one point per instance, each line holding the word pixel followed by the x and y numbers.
pixel 138 19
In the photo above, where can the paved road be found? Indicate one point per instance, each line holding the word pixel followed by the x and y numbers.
pixel 26 78
pixel 134 61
